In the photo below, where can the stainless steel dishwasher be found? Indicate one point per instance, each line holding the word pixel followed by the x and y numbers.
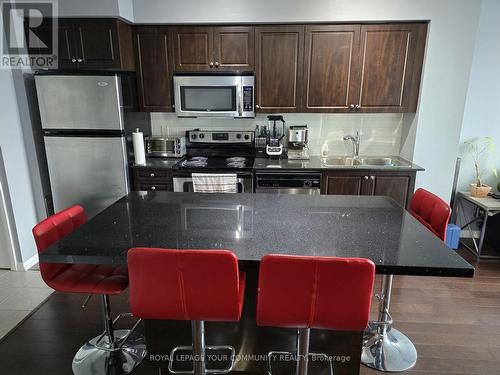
pixel 287 182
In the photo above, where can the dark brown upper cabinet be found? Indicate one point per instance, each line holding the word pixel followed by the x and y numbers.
pixel 331 67
pixel 94 44
pixel 279 57
pixel 193 47
pixel 234 48
pixel 204 48
pixel 154 68
pixel 391 67
pixel 104 44
pixel 67 46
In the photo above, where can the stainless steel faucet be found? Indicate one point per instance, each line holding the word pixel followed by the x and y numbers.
pixel 356 140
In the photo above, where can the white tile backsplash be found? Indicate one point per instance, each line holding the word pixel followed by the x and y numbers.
pixel 380 133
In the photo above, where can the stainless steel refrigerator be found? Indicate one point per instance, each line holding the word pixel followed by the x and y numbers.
pixel 84 136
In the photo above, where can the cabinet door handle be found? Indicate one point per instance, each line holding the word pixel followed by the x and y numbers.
pixel 352 107
pixel 211 64
pixel 73 60
pixel 151 174
pixel 372 177
pixel 153 187
pixel 79 60
pixel 257 106
pixel 357 107
pixel 365 178
pixel 216 64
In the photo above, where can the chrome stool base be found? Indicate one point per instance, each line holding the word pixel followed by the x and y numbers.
pixel 390 351
pixel 384 347
pixel 99 359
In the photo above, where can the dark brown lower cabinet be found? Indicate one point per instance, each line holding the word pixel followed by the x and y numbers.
pixel 152 179
pixel 397 185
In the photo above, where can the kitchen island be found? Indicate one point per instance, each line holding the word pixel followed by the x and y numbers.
pixel 252 225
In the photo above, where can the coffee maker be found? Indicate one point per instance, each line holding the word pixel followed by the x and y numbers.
pixel 297 142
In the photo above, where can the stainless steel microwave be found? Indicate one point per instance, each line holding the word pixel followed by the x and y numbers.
pixel 214 95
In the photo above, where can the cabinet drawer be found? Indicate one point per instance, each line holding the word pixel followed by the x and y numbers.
pixel 153 186
pixel 145 173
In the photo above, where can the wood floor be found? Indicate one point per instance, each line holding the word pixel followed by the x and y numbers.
pixel 454 323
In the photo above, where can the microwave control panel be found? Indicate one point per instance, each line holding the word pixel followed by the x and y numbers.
pixel 248 98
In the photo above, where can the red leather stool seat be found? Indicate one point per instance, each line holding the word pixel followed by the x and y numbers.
pixel 315 292
pixel 92 279
pixel 431 211
pixel 185 284
pixel 75 278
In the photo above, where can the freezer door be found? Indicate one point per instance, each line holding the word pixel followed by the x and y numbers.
pixel 91 171
pixel 80 102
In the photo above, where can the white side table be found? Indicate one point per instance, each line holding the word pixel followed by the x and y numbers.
pixel 484 208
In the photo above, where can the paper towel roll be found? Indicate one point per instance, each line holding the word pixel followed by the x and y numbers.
pixel 139 152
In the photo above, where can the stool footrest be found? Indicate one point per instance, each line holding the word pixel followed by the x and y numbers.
pixel 207 371
pixel 118 343
pixel 295 355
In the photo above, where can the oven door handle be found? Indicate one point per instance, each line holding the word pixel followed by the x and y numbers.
pixel 180 183
pixel 240 181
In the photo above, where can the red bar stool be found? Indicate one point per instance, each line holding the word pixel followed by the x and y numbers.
pixel 384 347
pixel 313 292
pixel 195 285
pixel 431 211
pixel 114 351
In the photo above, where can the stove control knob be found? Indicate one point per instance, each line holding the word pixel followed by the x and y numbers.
pixel 202 135
pixel 238 135
pixel 193 136
pixel 307 183
pixel 247 137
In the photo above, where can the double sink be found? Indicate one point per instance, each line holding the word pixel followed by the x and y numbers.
pixel 366 162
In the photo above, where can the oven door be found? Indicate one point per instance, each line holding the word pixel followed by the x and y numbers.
pixel 185 185
pixel 213 96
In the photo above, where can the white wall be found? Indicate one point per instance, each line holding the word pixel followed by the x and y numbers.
pixel 431 137
pixel 12 145
pixel 482 108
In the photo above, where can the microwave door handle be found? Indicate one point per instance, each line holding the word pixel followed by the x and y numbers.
pixel 240 99
pixel 240 112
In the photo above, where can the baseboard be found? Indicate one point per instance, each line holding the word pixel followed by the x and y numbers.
pixel 28 264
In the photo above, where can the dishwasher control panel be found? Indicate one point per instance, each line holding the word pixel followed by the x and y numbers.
pixel 288 180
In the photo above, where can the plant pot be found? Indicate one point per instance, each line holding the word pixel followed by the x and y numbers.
pixel 479 191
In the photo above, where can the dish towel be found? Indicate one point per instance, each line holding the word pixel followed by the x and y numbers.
pixel 214 183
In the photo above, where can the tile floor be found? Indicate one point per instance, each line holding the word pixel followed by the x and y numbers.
pixel 20 294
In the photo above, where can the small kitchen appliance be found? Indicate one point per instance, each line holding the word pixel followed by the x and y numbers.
pixel 275 136
pixel 297 142
pixel 165 147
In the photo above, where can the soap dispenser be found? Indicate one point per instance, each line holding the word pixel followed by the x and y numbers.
pixel 324 150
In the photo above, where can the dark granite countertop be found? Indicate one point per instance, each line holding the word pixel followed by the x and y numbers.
pixel 316 163
pixel 253 225
pixel 157 163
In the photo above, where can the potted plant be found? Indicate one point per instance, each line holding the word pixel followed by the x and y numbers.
pixel 480 149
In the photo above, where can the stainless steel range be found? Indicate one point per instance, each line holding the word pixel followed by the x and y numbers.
pixel 214 151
